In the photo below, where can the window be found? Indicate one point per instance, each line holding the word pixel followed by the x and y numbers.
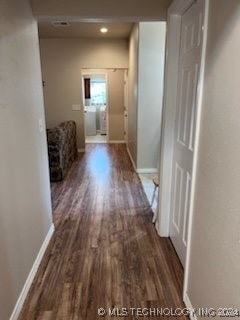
pixel 98 92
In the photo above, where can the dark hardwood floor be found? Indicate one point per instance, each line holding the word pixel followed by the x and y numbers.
pixel 105 251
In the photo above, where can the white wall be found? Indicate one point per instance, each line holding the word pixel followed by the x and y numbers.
pixel 213 279
pixel 62 62
pixel 150 92
pixel 133 93
pixel 25 205
pixel 146 69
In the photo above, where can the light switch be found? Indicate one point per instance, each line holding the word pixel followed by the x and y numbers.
pixel 40 125
pixel 76 107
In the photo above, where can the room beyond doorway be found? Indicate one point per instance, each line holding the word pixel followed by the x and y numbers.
pixel 104 96
pixel 98 138
pixel 94 88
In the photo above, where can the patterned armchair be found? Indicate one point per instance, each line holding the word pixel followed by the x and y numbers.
pixel 62 149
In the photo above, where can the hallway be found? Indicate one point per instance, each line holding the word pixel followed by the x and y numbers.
pixel 105 251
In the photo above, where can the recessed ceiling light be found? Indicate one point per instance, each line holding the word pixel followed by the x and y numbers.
pixel 104 30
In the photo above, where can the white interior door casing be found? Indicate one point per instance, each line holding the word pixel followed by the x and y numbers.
pixel 126 105
pixel 185 124
pixel 89 127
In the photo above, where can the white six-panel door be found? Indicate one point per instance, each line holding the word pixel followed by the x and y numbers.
pixel 189 65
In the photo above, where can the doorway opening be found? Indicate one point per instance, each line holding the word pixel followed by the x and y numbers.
pixel 186 47
pixel 95 97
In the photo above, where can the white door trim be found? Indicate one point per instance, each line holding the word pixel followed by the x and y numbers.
pixel 199 101
pixel 90 71
pixel 177 8
pixel 168 118
pixel 126 84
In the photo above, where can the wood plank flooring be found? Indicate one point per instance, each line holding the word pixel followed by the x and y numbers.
pixel 105 251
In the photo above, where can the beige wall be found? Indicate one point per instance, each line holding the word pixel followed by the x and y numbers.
pixel 62 62
pixel 25 205
pixel 101 10
pixel 133 93
pixel 150 92
pixel 215 252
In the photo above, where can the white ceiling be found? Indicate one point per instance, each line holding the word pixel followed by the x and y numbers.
pixel 84 30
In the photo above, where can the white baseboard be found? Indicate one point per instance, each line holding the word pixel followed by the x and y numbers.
pixel 131 158
pixel 81 150
pixel 116 141
pixel 189 306
pixel 141 170
pixel 20 302
pixel 147 170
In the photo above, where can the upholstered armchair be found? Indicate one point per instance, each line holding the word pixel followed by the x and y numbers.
pixel 62 149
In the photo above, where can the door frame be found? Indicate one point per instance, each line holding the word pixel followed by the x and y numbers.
pixel 89 71
pixel 175 12
pixel 126 105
